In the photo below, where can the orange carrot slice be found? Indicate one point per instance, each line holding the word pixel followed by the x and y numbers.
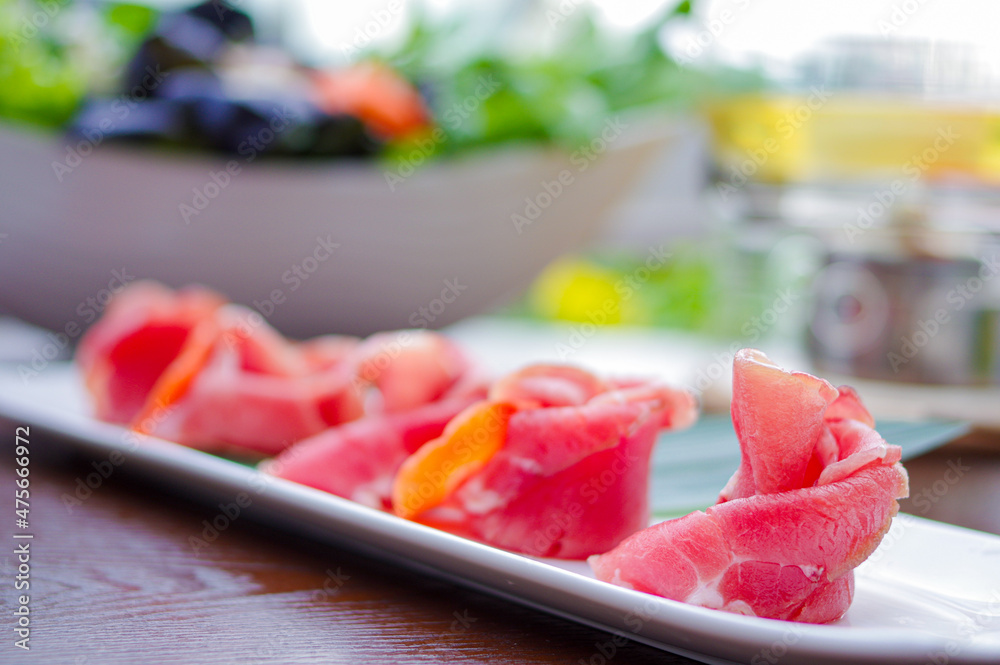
pixel 440 466
pixel 179 375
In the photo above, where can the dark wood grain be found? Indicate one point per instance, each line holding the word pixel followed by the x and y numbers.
pixel 959 483
pixel 116 580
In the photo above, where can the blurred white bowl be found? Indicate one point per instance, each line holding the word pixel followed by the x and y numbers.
pixel 450 223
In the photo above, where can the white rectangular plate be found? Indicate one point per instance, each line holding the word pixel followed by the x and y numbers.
pixel 930 593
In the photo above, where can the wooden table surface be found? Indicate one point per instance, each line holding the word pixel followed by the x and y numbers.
pixel 116 580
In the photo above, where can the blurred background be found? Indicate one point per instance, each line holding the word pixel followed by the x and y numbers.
pixel 637 185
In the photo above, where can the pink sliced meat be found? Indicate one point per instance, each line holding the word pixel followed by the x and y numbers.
pixel 141 332
pixel 358 460
pixel 257 394
pixel 231 407
pixel 775 416
pixel 548 385
pixel 787 551
pixel 571 477
pixel 187 367
pixel 409 368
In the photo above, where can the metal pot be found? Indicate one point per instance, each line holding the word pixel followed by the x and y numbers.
pixel 908 318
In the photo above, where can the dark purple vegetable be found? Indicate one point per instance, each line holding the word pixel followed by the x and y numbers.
pixel 174 92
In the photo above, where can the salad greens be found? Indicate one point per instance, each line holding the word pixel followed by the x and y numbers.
pixel 497 74
pixel 54 52
pixel 559 91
